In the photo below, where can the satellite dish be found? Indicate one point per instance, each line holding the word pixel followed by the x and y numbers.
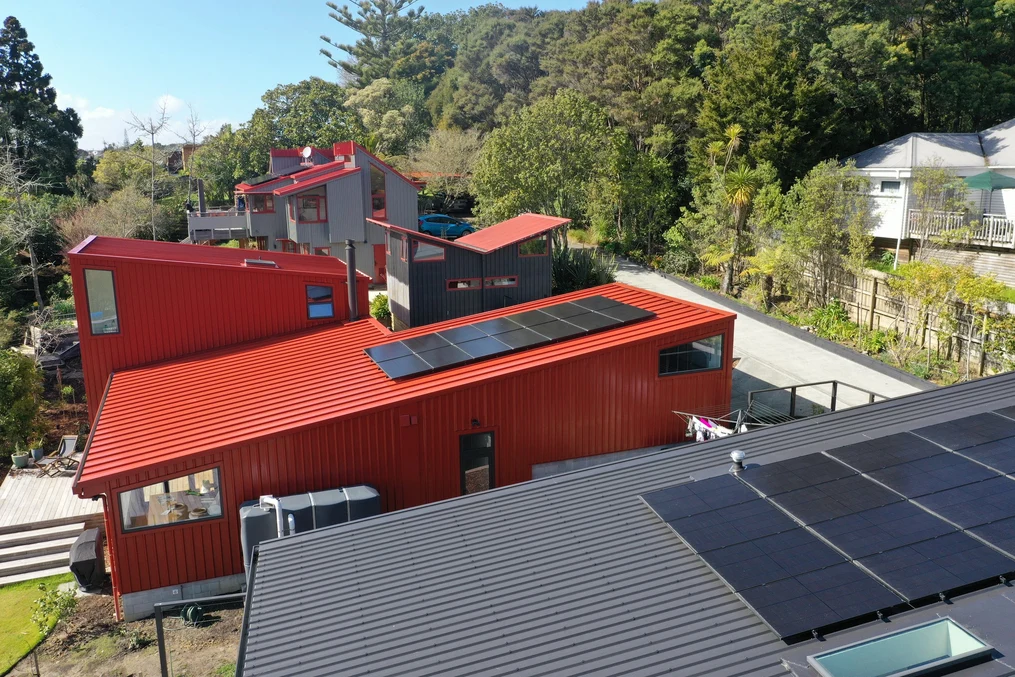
pixel 307 152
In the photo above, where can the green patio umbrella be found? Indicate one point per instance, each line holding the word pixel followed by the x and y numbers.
pixel 989 181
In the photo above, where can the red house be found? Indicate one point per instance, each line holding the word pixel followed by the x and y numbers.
pixel 424 415
pixel 140 302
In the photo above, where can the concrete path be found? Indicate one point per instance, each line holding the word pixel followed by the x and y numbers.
pixel 772 357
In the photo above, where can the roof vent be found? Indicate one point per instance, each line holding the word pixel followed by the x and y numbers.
pixel 939 647
pixel 738 457
pixel 260 263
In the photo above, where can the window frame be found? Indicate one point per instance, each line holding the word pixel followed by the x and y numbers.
pixel 267 198
pixel 403 251
pixel 477 287
pixel 896 191
pixel 722 357
pixel 546 246
pixel 287 246
pixel 116 302
pixel 415 248
pixel 488 282
pixel 381 213
pixel 125 531
pixel 322 251
pixel 311 303
pixel 318 201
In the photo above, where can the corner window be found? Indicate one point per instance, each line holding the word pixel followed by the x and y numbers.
pixel 455 285
pixel 322 251
pixel 262 204
pixel 424 251
pixel 378 196
pixel 320 302
pixel 506 281
pixel 891 187
pixel 190 498
pixel 695 356
pixel 101 294
pixel 537 246
pixel 313 208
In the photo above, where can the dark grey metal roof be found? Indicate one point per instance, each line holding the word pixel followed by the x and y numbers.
pixel 567 575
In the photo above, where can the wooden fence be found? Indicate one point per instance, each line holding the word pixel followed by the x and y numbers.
pixel 871 304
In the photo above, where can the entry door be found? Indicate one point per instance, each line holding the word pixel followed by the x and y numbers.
pixel 477 469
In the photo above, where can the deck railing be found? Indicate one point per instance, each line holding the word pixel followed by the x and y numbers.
pixel 990 230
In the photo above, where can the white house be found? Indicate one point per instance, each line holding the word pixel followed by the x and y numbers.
pixel 891 165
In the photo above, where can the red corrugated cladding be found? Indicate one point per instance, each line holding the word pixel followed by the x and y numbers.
pixel 313 412
pixel 177 299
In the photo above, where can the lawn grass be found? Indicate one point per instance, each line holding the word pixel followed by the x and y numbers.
pixel 18 635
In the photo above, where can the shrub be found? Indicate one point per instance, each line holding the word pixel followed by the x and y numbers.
pixel 67 393
pixel 710 282
pixel 20 390
pixel 53 605
pixel 380 311
pixel 575 269
pixel 832 322
pixel 680 262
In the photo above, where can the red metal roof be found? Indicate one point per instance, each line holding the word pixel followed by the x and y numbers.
pixel 312 181
pixel 521 227
pixel 193 254
pixel 170 411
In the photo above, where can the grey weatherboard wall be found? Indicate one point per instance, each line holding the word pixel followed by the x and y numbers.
pixel 418 291
pixel 567 575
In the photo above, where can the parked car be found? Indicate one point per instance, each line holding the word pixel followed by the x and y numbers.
pixel 442 225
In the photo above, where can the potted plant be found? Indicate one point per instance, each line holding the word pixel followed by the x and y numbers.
pixel 37 451
pixel 20 457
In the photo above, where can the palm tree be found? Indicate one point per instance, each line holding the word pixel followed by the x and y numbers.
pixel 739 185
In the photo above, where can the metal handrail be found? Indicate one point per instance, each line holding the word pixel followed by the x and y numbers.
pixel 793 393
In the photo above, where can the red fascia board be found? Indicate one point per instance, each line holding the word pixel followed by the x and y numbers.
pixel 316 181
pixel 424 236
pixel 512 231
pixel 315 170
pixel 169 412
pixel 265 187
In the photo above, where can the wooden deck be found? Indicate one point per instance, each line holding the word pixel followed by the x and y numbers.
pixel 29 499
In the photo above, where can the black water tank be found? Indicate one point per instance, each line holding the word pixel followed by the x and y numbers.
pixel 256 525
pixel 300 509
pixel 364 501
pixel 86 560
pixel 330 507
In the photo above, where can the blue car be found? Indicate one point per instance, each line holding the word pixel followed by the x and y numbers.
pixel 442 225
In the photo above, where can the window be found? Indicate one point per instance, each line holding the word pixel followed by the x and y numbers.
pixel 387 241
pixel 476 458
pixel 455 285
pixel 287 246
pixel 403 249
pixel 507 281
pixel 313 208
pixel 694 356
pixel 182 499
pixel 262 204
pixel 891 187
pixel 378 196
pixel 424 251
pixel 537 246
pixel 322 251
pixel 320 302
pixel 101 293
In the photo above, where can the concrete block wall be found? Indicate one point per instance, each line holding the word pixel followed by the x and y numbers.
pixel 138 605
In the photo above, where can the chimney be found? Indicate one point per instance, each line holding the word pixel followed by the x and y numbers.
pixel 350 282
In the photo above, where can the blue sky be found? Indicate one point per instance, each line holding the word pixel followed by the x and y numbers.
pixel 111 57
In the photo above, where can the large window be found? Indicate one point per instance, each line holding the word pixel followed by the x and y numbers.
pixel 101 294
pixel 424 251
pixel 182 499
pixel 313 208
pixel 537 246
pixel 320 302
pixel 378 195
pixel 262 204
pixel 693 356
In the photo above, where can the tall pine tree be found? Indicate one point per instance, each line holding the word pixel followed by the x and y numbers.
pixel 42 137
pixel 387 33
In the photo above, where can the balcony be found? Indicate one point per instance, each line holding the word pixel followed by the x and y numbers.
pixel 990 230
pixel 217 224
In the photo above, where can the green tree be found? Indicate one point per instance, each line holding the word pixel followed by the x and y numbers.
pixel 119 168
pixel 981 294
pixel 449 158
pixel 42 137
pixel 382 27
pixel 927 286
pixel 394 113
pixel 20 395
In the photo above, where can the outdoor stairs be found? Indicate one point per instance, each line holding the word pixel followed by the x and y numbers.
pixel 28 552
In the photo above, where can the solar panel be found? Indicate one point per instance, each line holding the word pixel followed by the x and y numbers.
pixel 1007 411
pixel 885 451
pixel 932 474
pixel 728 526
pixel 795 473
pixel 459 345
pixel 692 498
pixel 973 505
pixel 938 565
pixel 999 455
pixel 880 529
pixel 1000 534
pixel 969 431
pixel 771 558
pixel 837 498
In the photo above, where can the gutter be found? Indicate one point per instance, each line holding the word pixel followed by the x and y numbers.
pixel 91 435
